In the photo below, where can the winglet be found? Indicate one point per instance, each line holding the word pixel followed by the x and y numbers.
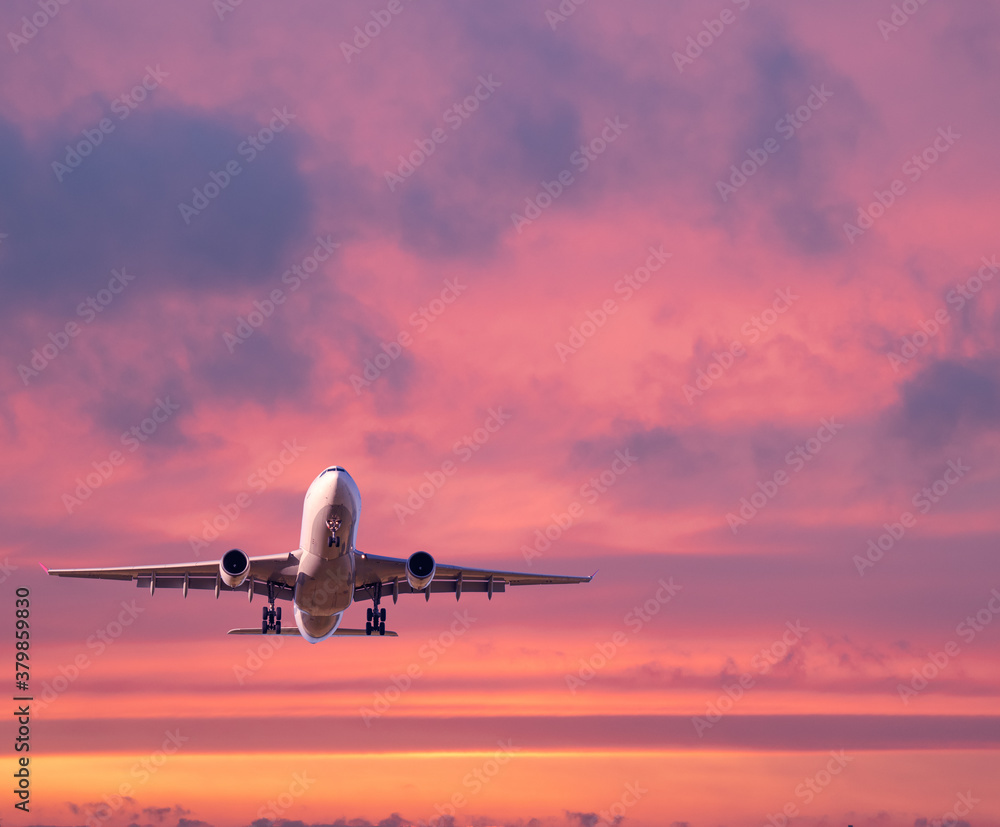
pixel 44 568
pixel 593 575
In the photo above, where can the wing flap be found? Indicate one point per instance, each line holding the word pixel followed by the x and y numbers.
pixel 390 572
pixel 282 591
pixel 365 592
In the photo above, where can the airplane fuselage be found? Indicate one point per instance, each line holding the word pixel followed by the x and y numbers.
pixel 324 584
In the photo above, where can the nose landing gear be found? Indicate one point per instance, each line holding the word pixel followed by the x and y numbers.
pixel 333 523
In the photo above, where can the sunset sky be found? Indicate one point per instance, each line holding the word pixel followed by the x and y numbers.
pixel 704 297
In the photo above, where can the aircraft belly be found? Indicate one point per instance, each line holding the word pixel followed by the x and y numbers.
pixel 324 586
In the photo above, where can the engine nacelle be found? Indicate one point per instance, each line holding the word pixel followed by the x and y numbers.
pixel 420 568
pixel 234 568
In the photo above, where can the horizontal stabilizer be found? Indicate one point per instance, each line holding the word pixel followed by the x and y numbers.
pixel 292 630
pixel 362 633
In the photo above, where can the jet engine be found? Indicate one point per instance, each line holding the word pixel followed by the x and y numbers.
pixel 420 568
pixel 234 568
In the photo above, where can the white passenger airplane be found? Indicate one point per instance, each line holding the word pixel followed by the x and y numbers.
pixel 325 574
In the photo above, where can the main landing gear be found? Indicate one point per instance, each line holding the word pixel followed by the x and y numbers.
pixel 272 617
pixel 334 525
pixel 376 616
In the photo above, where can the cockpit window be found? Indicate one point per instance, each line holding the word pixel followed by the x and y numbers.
pixel 331 468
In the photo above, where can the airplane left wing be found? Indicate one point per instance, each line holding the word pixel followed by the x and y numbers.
pixel 276 569
pixel 389 574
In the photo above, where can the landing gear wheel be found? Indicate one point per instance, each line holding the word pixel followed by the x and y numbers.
pixel 270 617
pixel 376 616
